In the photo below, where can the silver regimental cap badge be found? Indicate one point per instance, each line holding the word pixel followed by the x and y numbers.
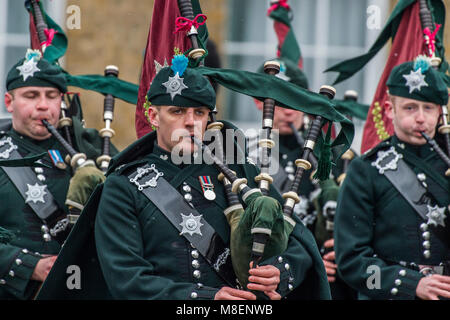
pixel 175 85
pixel 35 193
pixel 415 80
pixel 28 69
pixel 436 216
pixel 391 163
pixel 159 66
pixel 6 153
pixel 191 224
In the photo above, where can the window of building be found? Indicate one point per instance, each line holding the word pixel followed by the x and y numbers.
pixel 327 31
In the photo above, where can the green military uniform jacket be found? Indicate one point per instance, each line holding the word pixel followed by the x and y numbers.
pixel 379 237
pixel 19 257
pixel 139 254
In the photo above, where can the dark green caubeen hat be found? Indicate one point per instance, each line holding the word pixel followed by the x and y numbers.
pixel 418 80
pixel 181 86
pixel 34 71
pixel 289 71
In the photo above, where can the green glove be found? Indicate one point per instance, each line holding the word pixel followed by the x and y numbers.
pixel 82 185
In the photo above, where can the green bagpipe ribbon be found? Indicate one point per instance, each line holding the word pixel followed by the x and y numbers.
pixel 120 89
pixel 324 164
pixel 349 67
pixel 287 95
pixel 352 108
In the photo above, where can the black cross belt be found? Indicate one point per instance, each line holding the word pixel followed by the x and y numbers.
pixel 21 177
pixel 403 178
pixel 188 221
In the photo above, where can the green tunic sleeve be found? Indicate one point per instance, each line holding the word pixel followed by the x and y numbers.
pixel 16 268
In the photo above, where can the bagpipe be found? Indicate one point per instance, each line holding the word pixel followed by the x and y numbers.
pixel 87 173
pixel 426 20
pixel 260 225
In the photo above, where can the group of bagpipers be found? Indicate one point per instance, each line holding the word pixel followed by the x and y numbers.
pixel 327 225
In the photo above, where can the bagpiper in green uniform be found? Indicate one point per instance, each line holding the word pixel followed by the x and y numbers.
pixel 289 148
pixel 160 227
pixel 33 206
pixel 392 229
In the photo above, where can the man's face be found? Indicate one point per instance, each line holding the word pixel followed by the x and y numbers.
pixel 29 106
pixel 410 117
pixel 282 117
pixel 176 125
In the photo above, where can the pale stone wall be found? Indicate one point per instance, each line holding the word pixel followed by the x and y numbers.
pixel 115 32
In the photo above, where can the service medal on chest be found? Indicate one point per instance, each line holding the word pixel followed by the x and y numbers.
pixel 207 187
pixel 191 224
pixel 35 193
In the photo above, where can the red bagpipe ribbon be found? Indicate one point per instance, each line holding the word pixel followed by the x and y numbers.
pixel 185 24
pixel 430 38
pixel 50 34
pixel 280 3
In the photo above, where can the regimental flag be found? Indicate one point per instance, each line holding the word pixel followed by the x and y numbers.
pixel 161 42
pixel 404 21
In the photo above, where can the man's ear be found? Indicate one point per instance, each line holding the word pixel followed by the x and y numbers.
pixel 259 104
pixel 389 108
pixel 153 115
pixel 8 102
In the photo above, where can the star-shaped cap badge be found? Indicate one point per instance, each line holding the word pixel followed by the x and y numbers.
pixel 28 69
pixel 159 66
pixel 415 80
pixel 174 86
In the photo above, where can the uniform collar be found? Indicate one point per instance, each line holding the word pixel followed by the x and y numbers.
pixel 161 153
pixel 421 151
pixel 44 144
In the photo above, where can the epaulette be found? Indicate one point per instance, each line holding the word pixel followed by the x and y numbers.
pixel 5 125
pixel 127 167
pixel 133 153
pixel 382 145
